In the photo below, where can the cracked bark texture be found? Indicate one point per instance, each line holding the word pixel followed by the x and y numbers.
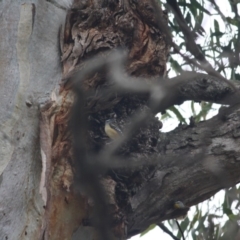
pixel 189 164
pixel 196 162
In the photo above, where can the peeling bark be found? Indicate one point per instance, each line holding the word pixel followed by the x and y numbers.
pixel 91 29
pixel 144 194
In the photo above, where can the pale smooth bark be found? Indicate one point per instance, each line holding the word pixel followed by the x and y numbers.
pixel 30 70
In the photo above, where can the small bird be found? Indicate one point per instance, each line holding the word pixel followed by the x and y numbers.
pixel 182 208
pixel 179 205
pixel 111 129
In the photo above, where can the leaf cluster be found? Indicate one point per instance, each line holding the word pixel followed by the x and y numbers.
pixel 215 28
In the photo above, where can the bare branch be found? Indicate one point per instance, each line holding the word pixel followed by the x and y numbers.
pixel 166 230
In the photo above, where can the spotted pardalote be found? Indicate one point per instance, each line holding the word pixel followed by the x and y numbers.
pixel 179 205
pixel 182 208
pixel 111 129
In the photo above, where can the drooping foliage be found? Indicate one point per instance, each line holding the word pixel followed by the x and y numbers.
pixel 206 31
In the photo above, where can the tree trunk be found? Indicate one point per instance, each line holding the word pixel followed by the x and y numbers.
pixel 58 184
pixel 30 70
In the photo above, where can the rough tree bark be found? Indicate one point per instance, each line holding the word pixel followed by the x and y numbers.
pixel 189 164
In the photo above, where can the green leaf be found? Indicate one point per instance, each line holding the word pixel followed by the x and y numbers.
pixel 233 21
pixel 217 232
pixel 194 236
pixel 188 18
pixel 206 107
pixel 193 108
pixel 217 34
pixel 184 224
pixel 174 27
pixel 233 217
pixel 237 76
pixel 201 221
pixel 227 211
pixel 199 6
pixel 178 114
pixel 195 219
pixel 199 17
pixel 165 116
pixel 175 65
pixel 216 25
pixel 152 226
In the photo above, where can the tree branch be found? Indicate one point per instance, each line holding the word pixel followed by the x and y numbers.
pixel 212 163
pixel 166 230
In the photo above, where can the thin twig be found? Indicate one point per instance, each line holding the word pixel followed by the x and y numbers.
pixel 180 229
pixel 166 230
